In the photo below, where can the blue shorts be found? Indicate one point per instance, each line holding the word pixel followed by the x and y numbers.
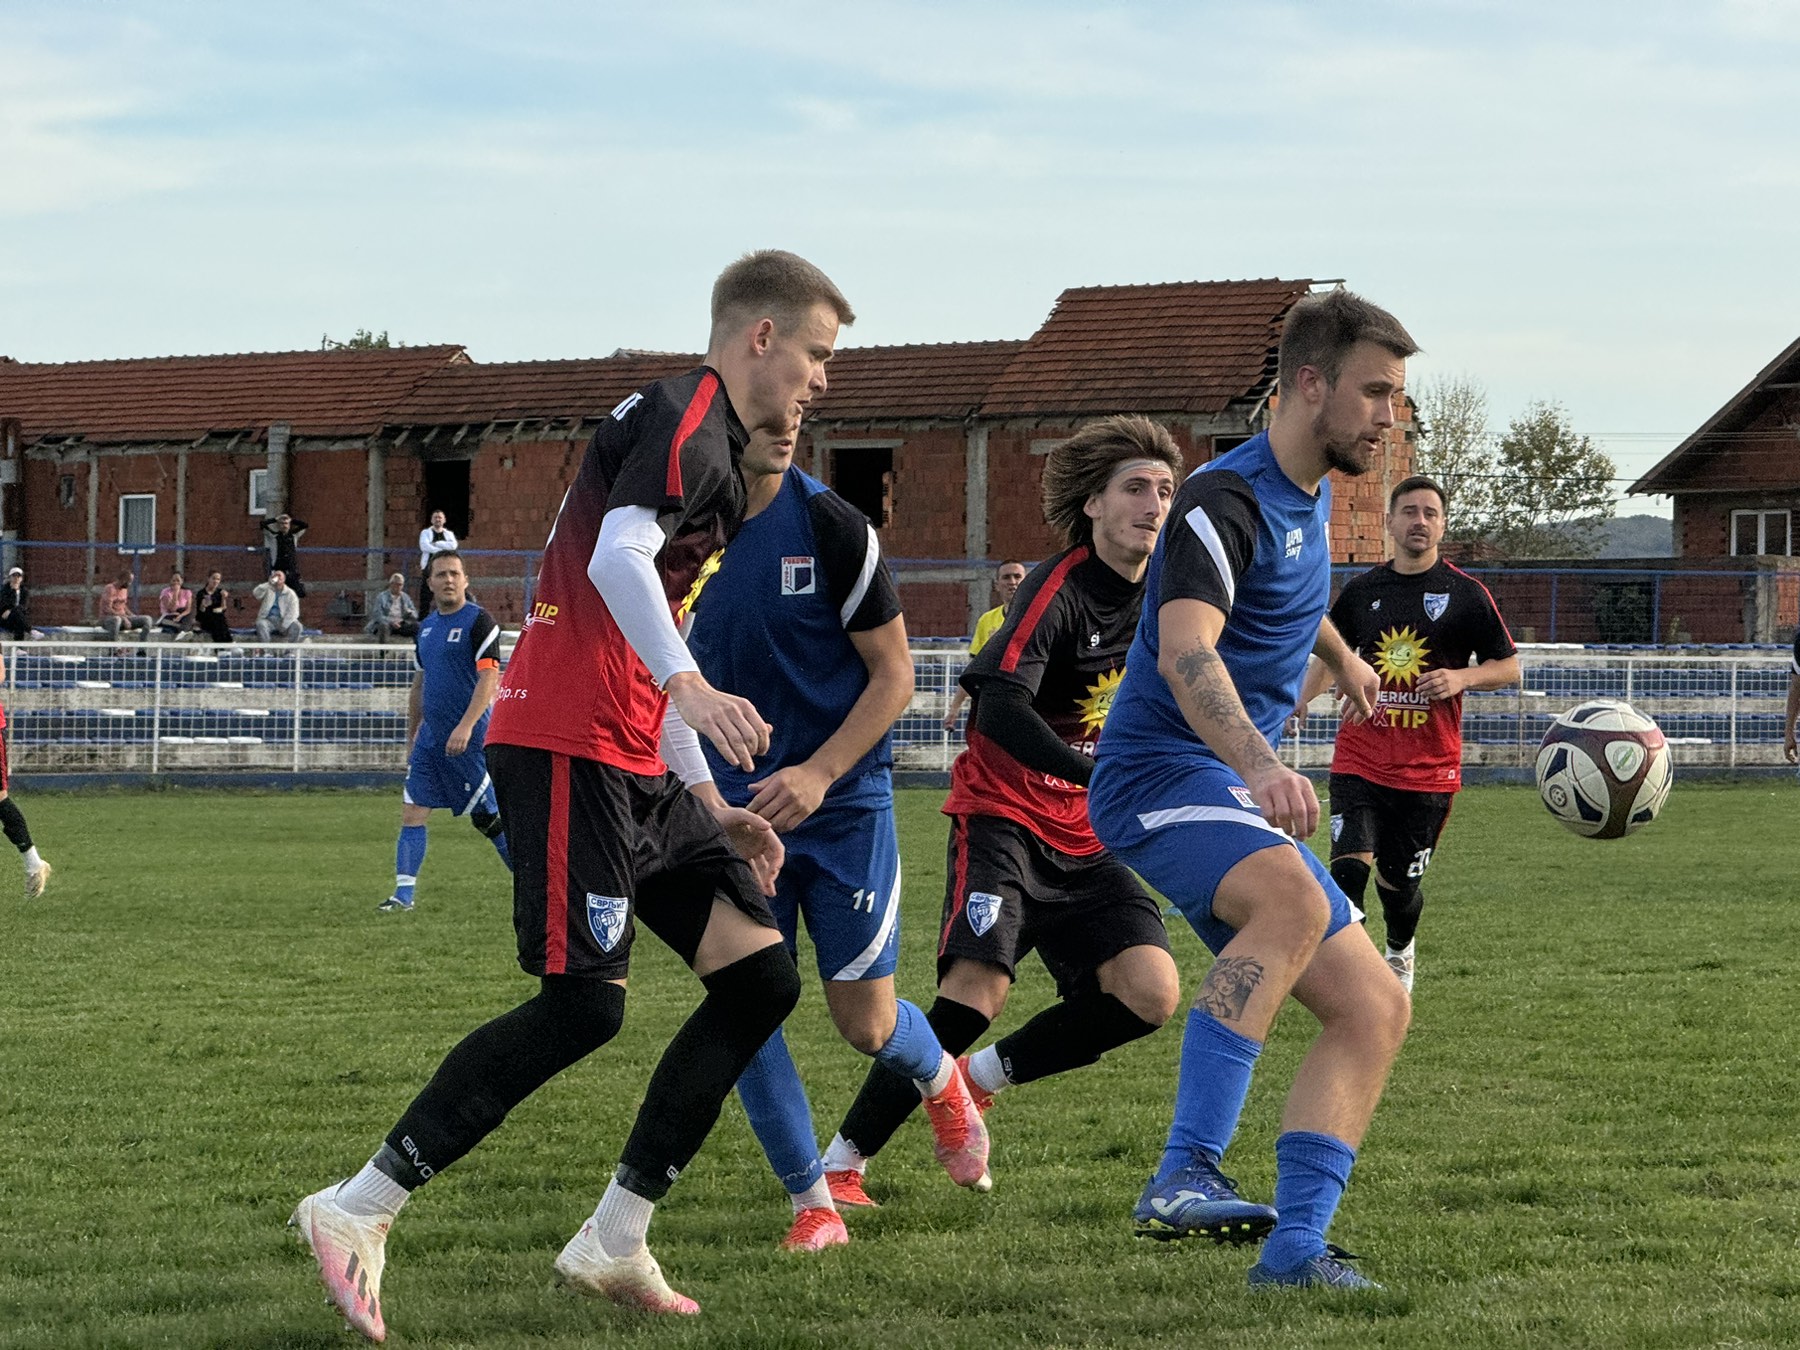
pixel 843 873
pixel 1183 827
pixel 457 784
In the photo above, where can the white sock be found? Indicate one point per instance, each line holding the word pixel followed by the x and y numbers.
pixel 930 1087
pixel 372 1193
pixel 32 861
pixel 622 1220
pixel 840 1157
pixel 987 1072
pixel 1407 950
pixel 815 1196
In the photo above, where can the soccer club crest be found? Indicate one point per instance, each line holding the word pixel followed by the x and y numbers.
pixel 983 910
pixel 797 576
pixel 606 916
pixel 1435 605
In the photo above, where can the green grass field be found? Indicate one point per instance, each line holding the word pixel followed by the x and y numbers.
pixel 1589 1139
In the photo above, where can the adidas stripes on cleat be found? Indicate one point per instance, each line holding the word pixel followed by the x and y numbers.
pixel 1198 1200
pixel 351 1250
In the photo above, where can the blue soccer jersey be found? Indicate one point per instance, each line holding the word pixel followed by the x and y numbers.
pixel 1246 538
pixel 452 650
pixel 772 621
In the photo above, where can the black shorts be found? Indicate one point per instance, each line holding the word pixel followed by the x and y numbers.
pixel 1006 892
pixel 1400 827
pixel 595 849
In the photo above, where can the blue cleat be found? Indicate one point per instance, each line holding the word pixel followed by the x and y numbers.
pixel 1198 1200
pixel 1324 1271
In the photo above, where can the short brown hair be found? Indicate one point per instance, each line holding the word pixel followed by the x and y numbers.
pixel 437 558
pixel 1085 463
pixel 773 283
pixel 1321 329
pixel 1417 483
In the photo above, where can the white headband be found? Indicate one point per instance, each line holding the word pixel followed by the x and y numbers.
pixel 1133 465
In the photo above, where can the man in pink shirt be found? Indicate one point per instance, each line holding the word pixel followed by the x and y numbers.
pixel 115 609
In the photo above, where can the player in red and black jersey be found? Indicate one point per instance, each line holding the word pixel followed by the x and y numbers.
pixel 1025 870
pixel 1418 621
pixel 602 834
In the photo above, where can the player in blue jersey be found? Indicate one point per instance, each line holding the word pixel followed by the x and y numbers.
pixel 1189 792
pixel 800 612
pixel 456 659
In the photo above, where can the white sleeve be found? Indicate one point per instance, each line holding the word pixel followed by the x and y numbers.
pixel 681 750
pixel 623 570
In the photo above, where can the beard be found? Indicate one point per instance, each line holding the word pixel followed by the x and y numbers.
pixel 1349 455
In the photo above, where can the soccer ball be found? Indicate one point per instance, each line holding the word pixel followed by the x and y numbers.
pixel 1603 769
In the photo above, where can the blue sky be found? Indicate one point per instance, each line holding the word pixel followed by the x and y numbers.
pixel 1593 203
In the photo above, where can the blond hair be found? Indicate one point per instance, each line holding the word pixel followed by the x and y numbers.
pixel 772 283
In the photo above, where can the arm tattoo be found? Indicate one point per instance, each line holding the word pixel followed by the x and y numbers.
pixel 1228 986
pixel 1213 697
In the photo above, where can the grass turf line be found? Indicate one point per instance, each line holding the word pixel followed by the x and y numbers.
pixel 1588 1140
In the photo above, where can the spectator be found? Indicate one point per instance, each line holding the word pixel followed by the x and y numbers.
pixel 15 617
pixel 209 609
pixel 284 550
pixel 435 538
pixel 175 608
pixel 278 610
pixel 395 614
pixel 115 609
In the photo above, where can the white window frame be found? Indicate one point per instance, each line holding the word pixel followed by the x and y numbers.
pixel 1762 532
pixel 259 492
pixel 126 545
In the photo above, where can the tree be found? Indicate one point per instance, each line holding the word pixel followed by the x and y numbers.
pixel 363 340
pixel 1454 447
pixel 1556 487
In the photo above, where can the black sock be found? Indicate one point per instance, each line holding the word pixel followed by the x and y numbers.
pixel 494 1068
pixel 1401 909
pixel 12 820
pixel 1352 877
pixel 745 1001
pixel 887 1099
pixel 1068 1035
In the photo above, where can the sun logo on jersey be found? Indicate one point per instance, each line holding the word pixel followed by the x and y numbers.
pixel 692 598
pixel 1400 655
pixel 1099 700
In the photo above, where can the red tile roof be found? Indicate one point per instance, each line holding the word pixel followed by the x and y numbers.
pixel 1717 436
pixel 325 393
pixel 549 390
pixel 1180 347
pixel 935 379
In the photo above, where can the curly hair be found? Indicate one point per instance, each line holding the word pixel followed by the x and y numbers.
pixel 1083 465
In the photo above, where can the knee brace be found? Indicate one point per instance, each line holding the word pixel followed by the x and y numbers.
pixel 486 823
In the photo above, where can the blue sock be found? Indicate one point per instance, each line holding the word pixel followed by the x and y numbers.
pixel 1215 1077
pixel 504 852
pixel 913 1050
pixel 780 1115
pixel 1311 1171
pixel 409 856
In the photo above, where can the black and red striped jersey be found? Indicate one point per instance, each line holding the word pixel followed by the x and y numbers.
pixel 1065 638
pixel 574 685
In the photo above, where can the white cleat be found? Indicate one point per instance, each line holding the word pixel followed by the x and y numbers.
pixel 634 1281
pixel 351 1249
pixel 36 880
pixel 1401 963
